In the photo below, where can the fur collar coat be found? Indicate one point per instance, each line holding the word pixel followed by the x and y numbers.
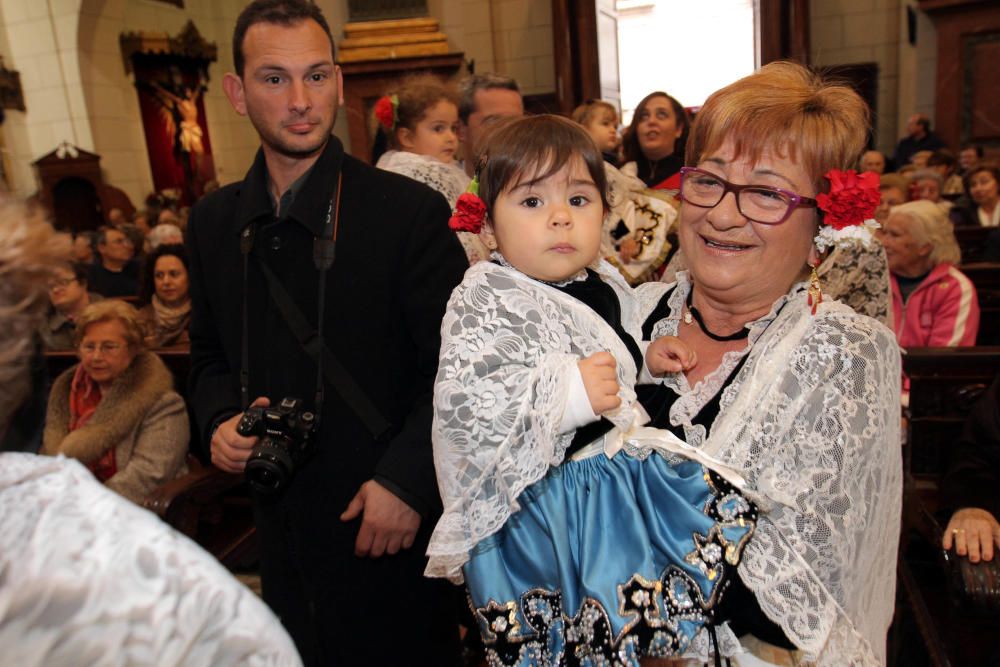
pixel 140 416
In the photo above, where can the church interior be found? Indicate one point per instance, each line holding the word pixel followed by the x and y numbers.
pixel 114 110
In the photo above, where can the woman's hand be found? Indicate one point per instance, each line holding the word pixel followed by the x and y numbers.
pixel 600 381
pixel 973 531
pixel 669 354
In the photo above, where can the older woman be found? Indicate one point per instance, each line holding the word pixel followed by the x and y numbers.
pixel 167 314
pixel 798 394
pixel 116 411
pixel 934 304
pixel 654 141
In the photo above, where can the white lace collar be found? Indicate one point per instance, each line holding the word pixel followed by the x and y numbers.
pixel 579 277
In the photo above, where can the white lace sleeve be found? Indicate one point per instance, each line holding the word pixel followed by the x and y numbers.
pixel 509 351
pixel 89 578
pixel 812 421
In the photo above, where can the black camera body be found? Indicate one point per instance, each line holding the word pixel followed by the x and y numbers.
pixel 284 440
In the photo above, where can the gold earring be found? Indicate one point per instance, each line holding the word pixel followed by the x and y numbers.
pixel 815 291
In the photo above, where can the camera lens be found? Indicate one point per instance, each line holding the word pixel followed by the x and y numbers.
pixel 269 466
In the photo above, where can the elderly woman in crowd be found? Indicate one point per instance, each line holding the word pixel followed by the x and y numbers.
pixel 799 394
pixel 116 411
pixel 934 304
pixel 167 314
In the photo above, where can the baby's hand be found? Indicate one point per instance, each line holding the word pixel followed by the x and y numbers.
pixel 601 382
pixel 669 354
pixel 628 249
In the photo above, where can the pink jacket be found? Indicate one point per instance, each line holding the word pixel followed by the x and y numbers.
pixel 942 312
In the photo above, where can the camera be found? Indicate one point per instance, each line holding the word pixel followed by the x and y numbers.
pixel 284 434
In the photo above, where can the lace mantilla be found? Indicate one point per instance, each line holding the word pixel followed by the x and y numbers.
pixel 448 179
pixel 812 422
pixel 88 578
pixel 858 275
pixel 509 349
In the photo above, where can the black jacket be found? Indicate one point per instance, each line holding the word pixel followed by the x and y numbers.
pixel 396 264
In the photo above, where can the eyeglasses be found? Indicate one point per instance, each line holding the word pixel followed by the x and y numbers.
pixel 60 282
pixel 89 349
pixel 757 203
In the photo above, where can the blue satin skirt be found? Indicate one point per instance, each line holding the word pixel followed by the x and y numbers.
pixel 607 561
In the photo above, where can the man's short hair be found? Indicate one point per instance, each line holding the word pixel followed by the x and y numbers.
pixel 975 147
pixel 279 12
pixel 924 122
pixel 944 157
pixel 472 84
pixel 102 233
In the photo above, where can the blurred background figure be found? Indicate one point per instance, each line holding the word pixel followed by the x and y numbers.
pixel 983 184
pixel 893 189
pixel 68 296
pixel 84 247
pixel 654 142
pixel 114 274
pixel 873 161
pixel 600 119
pixel 166 313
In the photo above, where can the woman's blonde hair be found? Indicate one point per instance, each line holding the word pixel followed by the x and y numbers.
pixel 928 224
pixel 789 110
pixel 416 95
pixel 111 310
pixel 584 113
pixel 29 251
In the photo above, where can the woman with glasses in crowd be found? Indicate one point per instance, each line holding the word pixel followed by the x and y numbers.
pixel 797 393
pixel 116 411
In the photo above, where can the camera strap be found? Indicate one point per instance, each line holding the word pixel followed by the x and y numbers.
pixel 311 340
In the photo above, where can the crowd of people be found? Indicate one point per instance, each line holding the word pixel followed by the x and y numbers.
pixel 550 360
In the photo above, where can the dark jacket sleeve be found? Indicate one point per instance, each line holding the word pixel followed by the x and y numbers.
pixel 433 265
pixel 213 391
pixel 974 470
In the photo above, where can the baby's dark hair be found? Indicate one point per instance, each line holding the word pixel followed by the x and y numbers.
pixel 532 149
pixel 417 94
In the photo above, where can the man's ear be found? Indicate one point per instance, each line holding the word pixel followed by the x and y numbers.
pixel 232 86
pixel 340 85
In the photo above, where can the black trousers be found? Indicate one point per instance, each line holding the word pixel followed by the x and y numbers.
pixel 343 610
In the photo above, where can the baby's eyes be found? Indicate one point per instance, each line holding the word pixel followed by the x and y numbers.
pixel 579 200
pixel 531 202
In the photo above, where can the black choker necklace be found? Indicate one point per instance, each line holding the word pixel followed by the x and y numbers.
pixel 692 312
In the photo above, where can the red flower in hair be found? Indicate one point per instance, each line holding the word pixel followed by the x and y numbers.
pixel 385 112
pixel 852 199
pixel 469 213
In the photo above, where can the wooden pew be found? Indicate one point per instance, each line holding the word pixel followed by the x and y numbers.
pixel 972 240
pixel 952 621
pixel 986 277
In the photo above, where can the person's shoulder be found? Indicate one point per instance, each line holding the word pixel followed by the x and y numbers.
pixel 385 185
pixel 836 319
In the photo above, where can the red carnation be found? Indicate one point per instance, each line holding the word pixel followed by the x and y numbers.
pixel 469 213
pixel 384 113
pixel 852 199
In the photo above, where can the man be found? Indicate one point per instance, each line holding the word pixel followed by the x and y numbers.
pixel 69 296
pixel 114 274
pixel 483 100
pixel 873 161
pixel 968 158
pixel 342 546
pixel 918 138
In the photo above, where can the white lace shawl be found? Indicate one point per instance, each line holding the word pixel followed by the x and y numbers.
pixel 859 276
pixel 509 349
pixel 448 179
pixel 89 578
pixel 812 422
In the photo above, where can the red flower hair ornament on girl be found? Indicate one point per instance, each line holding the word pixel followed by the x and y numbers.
pixel 470 210
pixel 848 211
pixel 385 112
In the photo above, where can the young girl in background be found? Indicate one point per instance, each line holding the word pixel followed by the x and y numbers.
pixel 578 532
pixel 600 119
pixel 418 123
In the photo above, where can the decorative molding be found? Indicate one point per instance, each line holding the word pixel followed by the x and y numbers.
pixel 11 94
pixel 187 44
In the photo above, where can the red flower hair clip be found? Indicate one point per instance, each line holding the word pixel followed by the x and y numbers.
pixel 470 210
pixel 848 208
pixel 385 112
